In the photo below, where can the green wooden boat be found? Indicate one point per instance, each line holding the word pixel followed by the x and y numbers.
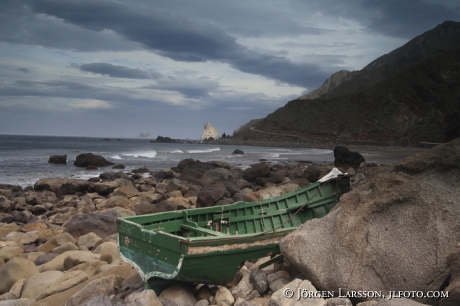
pixel 209 245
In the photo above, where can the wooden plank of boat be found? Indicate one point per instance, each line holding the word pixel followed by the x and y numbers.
pixel 208 245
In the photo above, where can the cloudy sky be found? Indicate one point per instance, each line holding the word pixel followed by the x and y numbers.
pixel 108 68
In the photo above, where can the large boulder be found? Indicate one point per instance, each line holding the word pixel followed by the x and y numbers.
pixel 58 159
pixel 256 170
pixel 210 194
pixel 61 186
pixel 344 157
pixel 219 175
pixel 393 232
pixel 100 223
pixel 14 270
pixel 90 159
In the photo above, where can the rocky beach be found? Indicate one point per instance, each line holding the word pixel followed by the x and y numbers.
pixel 396 230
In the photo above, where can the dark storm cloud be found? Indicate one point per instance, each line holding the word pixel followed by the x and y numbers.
pixel 23 70
pixel 408 18
pixel 116 71
pixel 178 37
pixel 19 25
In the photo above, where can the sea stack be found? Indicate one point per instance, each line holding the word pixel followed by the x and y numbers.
pixel 209 132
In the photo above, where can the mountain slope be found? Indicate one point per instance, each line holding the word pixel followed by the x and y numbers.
pixel 411 94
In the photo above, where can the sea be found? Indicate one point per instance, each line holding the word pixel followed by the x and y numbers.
pixel 24 159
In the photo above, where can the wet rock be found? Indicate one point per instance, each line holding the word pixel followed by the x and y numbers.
pixel 344 157
pixel 238 151
pixel 15 269
pixel 61 186
pixel 257 170
pixel 90 159
pixel 107 285
pixel 58 159
pixel 312 173
pixel 177 295
pixel 210 194
pixel 119 166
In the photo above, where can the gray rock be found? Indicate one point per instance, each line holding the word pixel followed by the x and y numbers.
pixel 399 302
pixel 344 157
pixel 278 284
pixel 339 301
pixel 90 159
pixel 126 191
pixel 178 295
pixel 393 232
pixel 61 186
pixel 218 176
pixel 223 295
pixel 256 170
pixel 176 184
pixel 210 194
pixel 5 204
pixel 143 298
pixel 89 240
pixel 259 281
pixel 107 285
pixel 202 303
pixel 100 300
pixel 58 159
pixel 19 302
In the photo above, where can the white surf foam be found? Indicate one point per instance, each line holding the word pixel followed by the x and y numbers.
pixel 203 151
pixel 144 154
pixel 115 157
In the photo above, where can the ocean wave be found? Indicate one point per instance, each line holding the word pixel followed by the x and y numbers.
pixel 203 151
pixel 145 154
pixel 175 151
pixel 115 157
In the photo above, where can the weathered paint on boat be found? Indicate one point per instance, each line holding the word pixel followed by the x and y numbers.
pixel 208 245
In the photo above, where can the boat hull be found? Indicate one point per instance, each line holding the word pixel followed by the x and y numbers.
pixel 209 245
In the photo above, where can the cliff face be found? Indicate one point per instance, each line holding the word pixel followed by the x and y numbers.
pixel 209 132
pixel 332 82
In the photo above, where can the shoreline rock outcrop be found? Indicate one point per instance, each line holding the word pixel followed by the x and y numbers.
pixel 394 232
pixel 209 132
